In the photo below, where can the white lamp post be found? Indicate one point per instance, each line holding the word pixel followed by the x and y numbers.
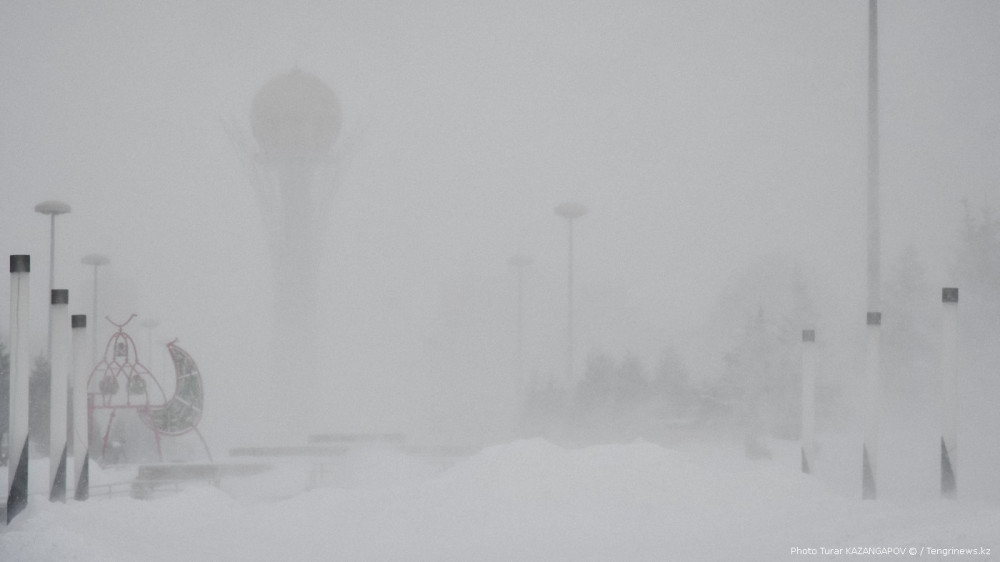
pixel 81 419
pixel 20 373
pixel 59 375
pixel 52 208
pixel 873 372
pixel 949 392
pixel 95 260
pixel 570 211
pixel 808 400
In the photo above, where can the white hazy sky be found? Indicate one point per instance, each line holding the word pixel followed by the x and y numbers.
pixel 702 135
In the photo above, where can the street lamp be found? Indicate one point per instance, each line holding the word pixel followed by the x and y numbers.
pixel 873 370
pixel 570 211
pixel 52 208
pixel 95 260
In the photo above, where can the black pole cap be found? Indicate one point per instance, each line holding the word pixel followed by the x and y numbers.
pixel 874 318
pixel 949 294
pixel 60 296
pixel 78 320
pixel 808 335
pixel 20 264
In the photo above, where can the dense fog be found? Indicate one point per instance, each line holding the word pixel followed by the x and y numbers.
pixel 719 147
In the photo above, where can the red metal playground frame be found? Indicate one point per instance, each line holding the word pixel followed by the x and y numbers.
pixel 121 382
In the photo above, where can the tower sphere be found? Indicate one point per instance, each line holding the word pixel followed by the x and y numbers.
pixel 295 117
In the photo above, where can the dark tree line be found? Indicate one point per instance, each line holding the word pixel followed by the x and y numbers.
pixel 758 385
pixel 616 399
pixel 4 392
pixel 38 399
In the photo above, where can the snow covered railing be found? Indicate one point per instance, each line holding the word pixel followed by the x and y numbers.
pixel 110 489
pixel 155 477
pixel 322 445
pixel 145 490
pixel 287 451
pixel 357 438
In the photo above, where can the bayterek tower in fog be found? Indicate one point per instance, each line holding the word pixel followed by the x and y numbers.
pixel 295 119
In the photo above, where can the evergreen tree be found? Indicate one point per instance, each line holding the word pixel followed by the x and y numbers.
pixel 544 410
pixel 672 387
pixel 910 327
pixel 629 385
pixel 39 387
pixel 761 380
pixel 4 389
pixel 610 398
pixel 756 330
pixel 595 389
pixel 749 370
pixel 978 278
pixel 978 274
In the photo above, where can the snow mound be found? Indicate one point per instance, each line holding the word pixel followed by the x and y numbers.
pixel 526 500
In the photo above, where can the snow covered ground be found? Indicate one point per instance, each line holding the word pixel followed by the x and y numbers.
pixel 526 500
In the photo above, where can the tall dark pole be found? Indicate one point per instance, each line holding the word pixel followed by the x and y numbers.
pixel 874 316
pixel 570 211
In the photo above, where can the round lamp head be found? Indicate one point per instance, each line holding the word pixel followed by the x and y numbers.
pixel 52 207
pixel 95 259
pixel 570 210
